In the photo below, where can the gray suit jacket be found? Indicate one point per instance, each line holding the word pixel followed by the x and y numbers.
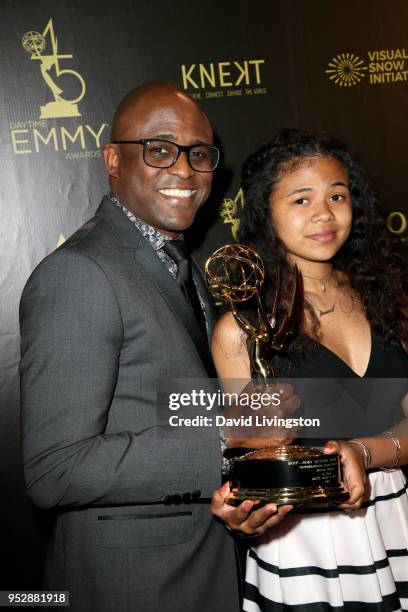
pixel 102 321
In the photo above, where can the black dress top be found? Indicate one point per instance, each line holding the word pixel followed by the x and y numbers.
pixel 349 405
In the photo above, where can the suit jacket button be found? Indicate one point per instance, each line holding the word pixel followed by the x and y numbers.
pixel 176 499
pixel 168 499
pixel 186 497
pixel 196 494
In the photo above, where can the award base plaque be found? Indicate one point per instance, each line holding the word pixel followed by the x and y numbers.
pixel 296 475
pixel 59 108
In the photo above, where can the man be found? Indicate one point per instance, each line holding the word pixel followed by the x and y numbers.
pixel 103 319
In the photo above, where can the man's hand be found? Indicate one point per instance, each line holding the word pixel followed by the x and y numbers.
pixel 243 519
pixel 354 474
pixel 282 403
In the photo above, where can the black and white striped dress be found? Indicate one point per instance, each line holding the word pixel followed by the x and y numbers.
pixel 335 561
pixel 355 561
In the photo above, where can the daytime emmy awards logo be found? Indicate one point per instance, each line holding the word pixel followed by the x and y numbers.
pixel 66 88
pixel 62 105
pixel 229 209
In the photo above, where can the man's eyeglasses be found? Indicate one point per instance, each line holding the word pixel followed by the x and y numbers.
pixel 164 153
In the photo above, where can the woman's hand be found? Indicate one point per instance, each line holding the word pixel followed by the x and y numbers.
pixel 354 473
pixel 243 519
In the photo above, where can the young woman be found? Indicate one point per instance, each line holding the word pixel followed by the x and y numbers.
pixel 309 204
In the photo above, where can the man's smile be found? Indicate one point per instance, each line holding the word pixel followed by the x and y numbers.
pixel 177 193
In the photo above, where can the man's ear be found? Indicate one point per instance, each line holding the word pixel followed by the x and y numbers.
pixel 111 156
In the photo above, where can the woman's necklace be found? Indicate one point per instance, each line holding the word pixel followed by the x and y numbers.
pixel 332 308
pixel 322 280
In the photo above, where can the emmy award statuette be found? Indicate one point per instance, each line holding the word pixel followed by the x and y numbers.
pixel 297 475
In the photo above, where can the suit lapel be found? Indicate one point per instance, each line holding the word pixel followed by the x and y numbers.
pixel 160 277
pixel 169 289
pixel 210 312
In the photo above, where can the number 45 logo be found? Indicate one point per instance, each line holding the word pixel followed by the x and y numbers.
pixel 58 80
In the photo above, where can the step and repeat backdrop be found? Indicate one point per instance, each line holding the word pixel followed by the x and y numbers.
pixel 253 67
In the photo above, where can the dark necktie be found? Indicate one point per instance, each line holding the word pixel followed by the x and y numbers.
pixel 176 249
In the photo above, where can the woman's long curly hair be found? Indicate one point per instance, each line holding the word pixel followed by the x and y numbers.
pixel 368 257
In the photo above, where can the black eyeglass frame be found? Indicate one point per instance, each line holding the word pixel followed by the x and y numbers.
pixel 180 149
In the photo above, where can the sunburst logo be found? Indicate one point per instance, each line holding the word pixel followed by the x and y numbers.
pixel 346 69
